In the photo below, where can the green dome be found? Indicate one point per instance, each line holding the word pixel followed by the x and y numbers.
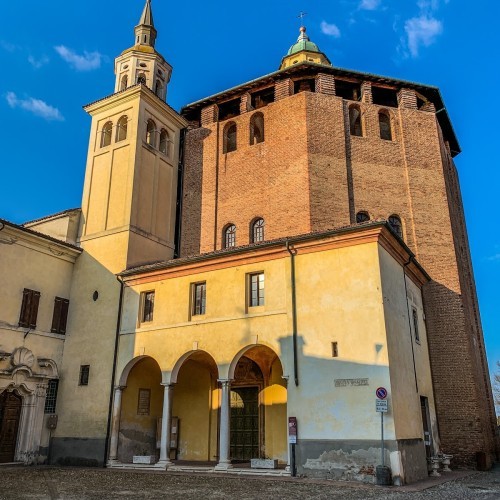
pixel 303 43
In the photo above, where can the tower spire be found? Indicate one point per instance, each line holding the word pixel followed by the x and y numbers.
pixel 145 32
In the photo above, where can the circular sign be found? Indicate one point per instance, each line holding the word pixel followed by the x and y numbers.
pixel 381 393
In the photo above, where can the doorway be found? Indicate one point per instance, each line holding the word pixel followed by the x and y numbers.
pixel 10 412
pixel 245 437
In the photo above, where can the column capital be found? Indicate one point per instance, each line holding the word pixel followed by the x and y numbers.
pixel 120 387
pixel 167 385
pixel 225 381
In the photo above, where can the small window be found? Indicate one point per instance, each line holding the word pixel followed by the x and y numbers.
pixel 159 89
pixel 256 295
pixel 415 324
pixel 384 122
pixel 362 217
pixel 164 142
pixel 335 349
pixel 229 138
pixel 60 316
pixel 256 128
pixel 29 308
pixel 395 223
pixel 230 236
pixel 141 78
pixel 121 129
pixel 124 82
pixel 106 134
pixel 148 304
pixel 144 402
pixel 257 231
pixel 51 398
pixel 151 133
pixel 84 375
pixel 199 298
pixel 355 121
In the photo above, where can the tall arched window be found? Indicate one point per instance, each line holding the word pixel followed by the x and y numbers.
pixel 229 236
pixel 151 133
pixel 355 121
pixel 121 129
pixel 384 122
pixel 397 226
pixel 229 138
pixel 256 128
pixel 106 134
pixel 258 230
pixel 141 78
pixel 362 217
pixel 164 142
pixel 159 89
pixel 124 82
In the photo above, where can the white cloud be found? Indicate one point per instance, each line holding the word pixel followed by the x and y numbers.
pixel 35 106
pixel 86 62
pixel 38 63
pixel 422 31
pixel 494 257
pixel 369 4
pixel 330 29
pixel 7 46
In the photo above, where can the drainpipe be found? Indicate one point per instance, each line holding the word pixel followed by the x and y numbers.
pixel 115 357
pixel 180 191
pixel 409 324
pixel 292 253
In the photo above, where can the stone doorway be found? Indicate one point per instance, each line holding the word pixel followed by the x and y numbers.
pixel 10 413
pixel 245 435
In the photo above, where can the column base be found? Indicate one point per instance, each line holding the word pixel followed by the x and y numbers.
pixel 113 462
pixel 163 464
pixel 222 466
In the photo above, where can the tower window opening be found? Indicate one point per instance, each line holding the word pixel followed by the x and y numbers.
pixel 106 134
pixel 307 85
pixel 124 82
pixel 257 230
pixel 348 90
pixel 164 142
pixel 141 79
pixel 121 129
pixel 362 217
pixel 151 133
pixel 384 122
pixel 262 98
pixel 229 138
pixel 145 38
pixel 384 97
pixel 159 89
pixel 396 225
pixel 229 109
pixel 230 236
pixel 256 128
pixel 355 121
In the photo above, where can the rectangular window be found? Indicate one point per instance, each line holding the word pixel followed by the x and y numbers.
pixel 199 298
pixel 335 350
pixel 51 398
pixel 148 304
pixel 29 308
pixel 143 401
pixel 415 324
pixel 60 316
pixel 256 294
pixel 84 375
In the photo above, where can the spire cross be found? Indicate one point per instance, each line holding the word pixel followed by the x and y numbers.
pixel 301 16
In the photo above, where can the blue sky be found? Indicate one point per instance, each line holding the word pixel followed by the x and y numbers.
pixel 58 55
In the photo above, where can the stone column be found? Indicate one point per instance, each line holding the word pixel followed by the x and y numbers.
pixel 225 426
pixel 166 424
pixel 115 425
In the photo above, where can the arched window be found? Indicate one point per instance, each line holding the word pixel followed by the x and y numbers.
pixel 141 78
pixel 106 134
pixel 256 128
pixel 229 138
pixel 258 230
pixel 124 82
pixel 121 129
pixel 395 223
pixel 229 236
pixel 384 122
pixel 159 89
pixel 362 217
pixel 355 121
pixel 151 133
pixel 164 142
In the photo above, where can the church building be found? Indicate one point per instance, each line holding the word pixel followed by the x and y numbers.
pixel 245 281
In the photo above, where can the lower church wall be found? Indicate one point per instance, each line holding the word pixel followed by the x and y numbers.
pixel 84 452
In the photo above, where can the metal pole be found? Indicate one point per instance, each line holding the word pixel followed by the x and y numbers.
pixel 294 470
pixel 382 432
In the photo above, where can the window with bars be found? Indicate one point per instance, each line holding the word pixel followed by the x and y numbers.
pixel 51 398
pixel 414 314
pixel 362 217
pixel 258 230
pixel 256 284
pixel 29 308
pixel 230 236
pixel 148 304
pixel 199 298
pixel 397 226
pixel 60 316
pixel 84 375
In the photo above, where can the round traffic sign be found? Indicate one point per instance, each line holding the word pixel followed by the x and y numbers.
pixel 381 393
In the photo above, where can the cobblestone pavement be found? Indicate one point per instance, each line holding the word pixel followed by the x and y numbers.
pixel 72 483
